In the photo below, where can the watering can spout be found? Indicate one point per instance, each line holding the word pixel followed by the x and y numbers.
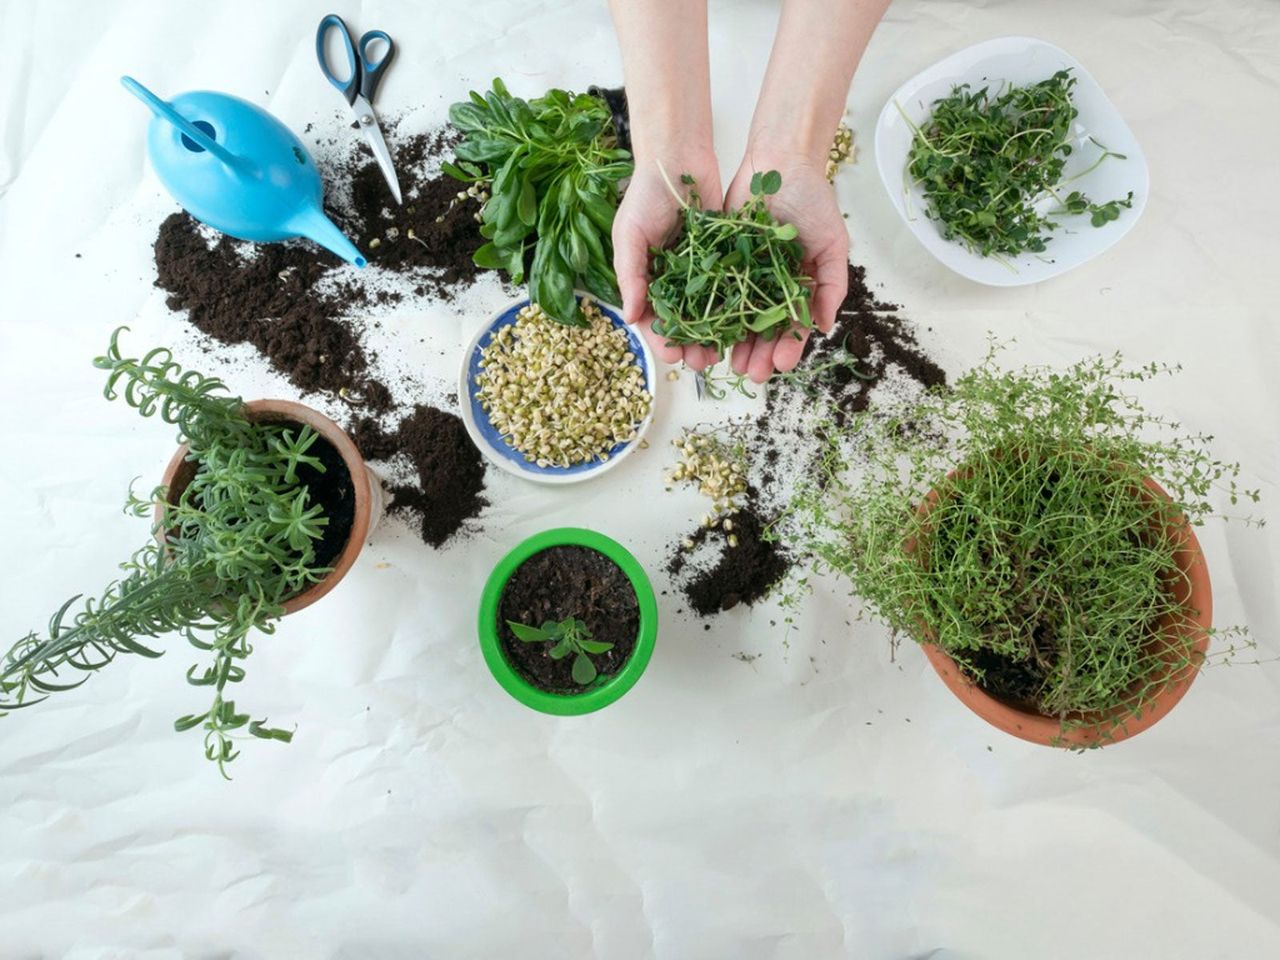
pixel 165 111
pixel 314 225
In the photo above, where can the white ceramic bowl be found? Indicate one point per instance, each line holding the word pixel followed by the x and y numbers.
pixel 1017 60
pixel 498 451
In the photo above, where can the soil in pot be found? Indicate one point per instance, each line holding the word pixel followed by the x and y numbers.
pixel 331 488
pixel 562 582
pixel 334 492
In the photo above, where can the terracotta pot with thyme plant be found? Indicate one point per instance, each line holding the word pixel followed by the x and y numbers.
pixel 262 510
pixel 1033 530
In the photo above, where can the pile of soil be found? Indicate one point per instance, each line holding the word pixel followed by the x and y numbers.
pixel 433 232
pixel 870 332
pixel 293 302
pixel 562 582
pixel 741 574
pixel 871 346
pixel 446 487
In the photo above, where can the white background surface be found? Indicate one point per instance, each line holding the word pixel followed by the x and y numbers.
pixel 821 801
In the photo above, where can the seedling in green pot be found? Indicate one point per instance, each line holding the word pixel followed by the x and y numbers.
pixel 570 636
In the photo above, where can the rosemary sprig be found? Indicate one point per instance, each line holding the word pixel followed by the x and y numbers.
pixel 239 542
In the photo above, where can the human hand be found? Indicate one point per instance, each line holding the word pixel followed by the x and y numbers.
pixel 807 200
pixel 649 216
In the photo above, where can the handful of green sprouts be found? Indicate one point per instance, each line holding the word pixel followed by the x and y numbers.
pixel 568 637
pixel 730 274
pixel 988 162
pixel 239 541
pixel 1043 556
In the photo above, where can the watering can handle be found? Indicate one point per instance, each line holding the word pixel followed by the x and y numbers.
pixel 163 109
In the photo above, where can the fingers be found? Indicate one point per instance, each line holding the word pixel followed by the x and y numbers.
pixel 831 284
pixel 699 357
pixel 657 342
pixel 788 349
pixel 631 264
pixel 741 356
pixel 760 366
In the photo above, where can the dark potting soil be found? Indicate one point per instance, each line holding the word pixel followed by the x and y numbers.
pixel 1016 682
pixel 562 582
pixel 871 332
pixel 272 296
pixel 741 574
pixel 791 437
pixel 333 491
pixel 448 467
pixel 293 302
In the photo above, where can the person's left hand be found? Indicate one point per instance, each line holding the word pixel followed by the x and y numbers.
pixel 807 200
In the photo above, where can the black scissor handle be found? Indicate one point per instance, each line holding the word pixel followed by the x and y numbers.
pixel 374 69
pixel 350 87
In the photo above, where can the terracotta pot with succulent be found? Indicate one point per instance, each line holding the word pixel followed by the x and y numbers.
pixel 1033 531
pixel 263 509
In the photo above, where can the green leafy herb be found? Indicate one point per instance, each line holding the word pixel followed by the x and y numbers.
pixel 569 636
pixel 552 167
pixel 987 164
pixel 239 542
pixel 730 274
pixel 1044 557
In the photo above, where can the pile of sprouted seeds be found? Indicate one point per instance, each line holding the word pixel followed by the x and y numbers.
pixel 562 395
pixel 987 163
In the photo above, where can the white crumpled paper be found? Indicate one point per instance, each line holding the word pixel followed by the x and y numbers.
pixel 822 800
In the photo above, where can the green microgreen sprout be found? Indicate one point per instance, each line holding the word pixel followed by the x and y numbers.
pixel 569 636
pixel 239 542
pixel 989 162
pixel 1044 556
pixel 730 274
pixel 551 168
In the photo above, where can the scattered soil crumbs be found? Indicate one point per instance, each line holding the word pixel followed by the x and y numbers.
pixel 739 574
pixel 295 303
pixel 443 471
pixel 871 348
pixel 562 582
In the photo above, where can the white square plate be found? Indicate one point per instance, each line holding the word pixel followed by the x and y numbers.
pixel 1017 60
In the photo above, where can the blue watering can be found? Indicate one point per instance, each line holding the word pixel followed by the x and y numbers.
pixel 234 166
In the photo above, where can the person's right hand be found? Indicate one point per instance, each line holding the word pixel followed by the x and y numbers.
pixel 649 216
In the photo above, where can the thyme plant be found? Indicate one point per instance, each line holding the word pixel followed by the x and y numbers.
pixel 569 636
pixel 1044 567
pixel 239 541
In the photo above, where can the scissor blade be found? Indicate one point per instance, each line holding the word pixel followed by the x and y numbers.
pixel 373 133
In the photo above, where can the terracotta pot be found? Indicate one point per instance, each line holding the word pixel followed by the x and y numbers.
pixel 368 489
pixel 1193 592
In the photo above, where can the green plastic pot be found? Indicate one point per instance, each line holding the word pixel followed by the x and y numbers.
pixel 605 690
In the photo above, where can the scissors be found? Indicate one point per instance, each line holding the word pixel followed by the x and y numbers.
pixel 360 87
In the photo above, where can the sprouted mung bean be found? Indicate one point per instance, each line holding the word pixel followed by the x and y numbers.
pixel 562 395
pixel 841 152
pixel 719 473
